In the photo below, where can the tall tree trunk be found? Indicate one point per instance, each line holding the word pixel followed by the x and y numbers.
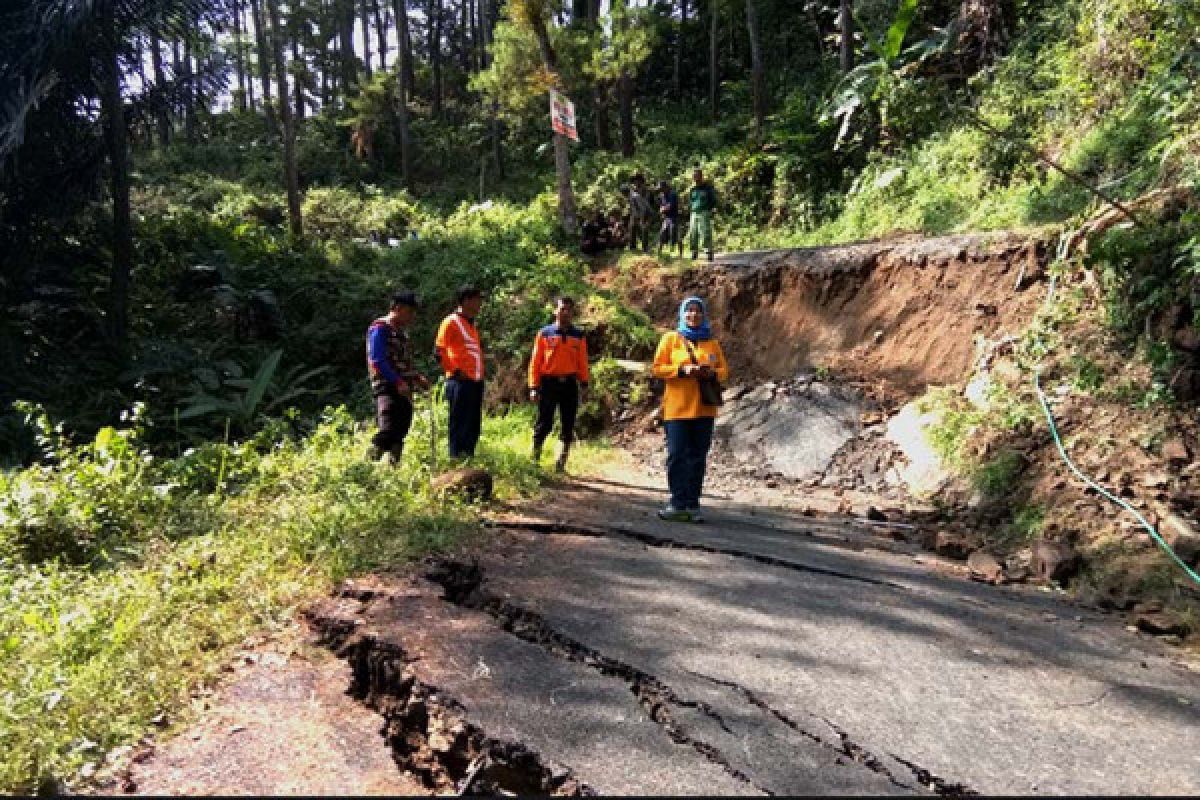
pixel 291 173
pixel 599 90
pixel 380 32
pixel 464 36
pixel 566 195
pixel 404 41
pixel 239 61
pixel 189 94
pixel 562 154
pixel 410 68
pixel 478 54
pixel 251 103
pixel 677 69
pixel 600 116
pixel 625 99
pixel 264 64
pixel 113 108
pixel 625 86
pixel 161 114
pixel 349 60
pixel 757 79
pixel 405 136
pixel 713 76
pixel 435 54
pixel 366 36
pixel 298 80
pixel 335 60
pixel 487 21
pixel 323 54
pixel 400 9
pixel 497 141
pixel 846 33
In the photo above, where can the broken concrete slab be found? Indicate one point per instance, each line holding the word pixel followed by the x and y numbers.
pixel 793 429
pixel 575 720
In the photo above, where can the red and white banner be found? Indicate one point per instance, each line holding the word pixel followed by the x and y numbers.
pixel 562 116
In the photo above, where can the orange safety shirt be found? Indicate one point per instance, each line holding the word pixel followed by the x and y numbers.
pixel 681 400
pixel 558 354
pixel 459 347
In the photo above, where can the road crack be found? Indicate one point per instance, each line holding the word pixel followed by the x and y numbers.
pixel 847 746
pixel 661 541
pixel 463 587
pixel 427 730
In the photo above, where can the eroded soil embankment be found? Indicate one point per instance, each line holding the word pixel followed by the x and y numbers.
pixel 904 311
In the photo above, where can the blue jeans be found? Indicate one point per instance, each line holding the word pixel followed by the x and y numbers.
pixel 688 441
pixel 466 415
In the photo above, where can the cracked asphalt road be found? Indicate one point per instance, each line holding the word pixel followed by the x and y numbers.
pixel 768 653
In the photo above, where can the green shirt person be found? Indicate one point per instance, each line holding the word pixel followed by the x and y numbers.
pixel 702 200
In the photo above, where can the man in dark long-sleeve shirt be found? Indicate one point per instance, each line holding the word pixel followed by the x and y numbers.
pixel 393 376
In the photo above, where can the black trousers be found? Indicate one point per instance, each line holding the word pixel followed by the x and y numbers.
pixel 668 234
pixel 560 394
pixel 465 399
pixel 393 416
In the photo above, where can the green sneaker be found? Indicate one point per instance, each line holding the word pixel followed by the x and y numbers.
pixel 672 514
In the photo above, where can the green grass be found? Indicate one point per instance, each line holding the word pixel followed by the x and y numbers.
pixel 92 648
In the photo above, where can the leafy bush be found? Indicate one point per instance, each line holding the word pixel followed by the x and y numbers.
pixel 125 579
pixel 997 476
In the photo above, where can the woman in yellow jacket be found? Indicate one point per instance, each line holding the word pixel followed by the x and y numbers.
pixel 684 357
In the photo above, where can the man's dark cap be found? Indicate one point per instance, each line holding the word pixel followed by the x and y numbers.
pixel 405 298
pixel 466 292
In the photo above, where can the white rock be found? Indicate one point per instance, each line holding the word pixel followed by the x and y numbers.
pixel 925 474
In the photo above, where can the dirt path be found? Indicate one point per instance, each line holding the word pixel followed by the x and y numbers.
pixel 282 725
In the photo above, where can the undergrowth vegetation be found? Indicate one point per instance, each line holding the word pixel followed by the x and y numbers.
pixel 125 576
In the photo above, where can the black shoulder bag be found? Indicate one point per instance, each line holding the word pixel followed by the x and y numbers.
pixel 710 388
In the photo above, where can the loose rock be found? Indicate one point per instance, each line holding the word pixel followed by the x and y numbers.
pixel 985 567
pixel 1161 623
pixel 474 485
pixel 1182 536
pixel 1054 561
pixel 955 544
pixel 1175 451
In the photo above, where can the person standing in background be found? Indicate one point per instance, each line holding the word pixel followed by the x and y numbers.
pixel 668 209
pixel 393 376
pixel 460 352
pixel 558 379
pixel 641 214
pixel 702 200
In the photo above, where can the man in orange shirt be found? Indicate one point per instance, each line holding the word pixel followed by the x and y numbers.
pixel 558 378
pixel 460 352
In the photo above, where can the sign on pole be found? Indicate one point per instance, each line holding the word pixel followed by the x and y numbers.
pixel 562 116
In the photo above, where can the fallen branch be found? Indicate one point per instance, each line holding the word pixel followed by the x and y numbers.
pixel 1075 178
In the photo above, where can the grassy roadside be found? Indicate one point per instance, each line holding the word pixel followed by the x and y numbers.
pixel 175 561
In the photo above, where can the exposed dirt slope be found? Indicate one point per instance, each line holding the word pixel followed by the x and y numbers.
pixel 903 311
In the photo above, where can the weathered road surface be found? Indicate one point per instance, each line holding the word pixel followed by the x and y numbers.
pixel 758 653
